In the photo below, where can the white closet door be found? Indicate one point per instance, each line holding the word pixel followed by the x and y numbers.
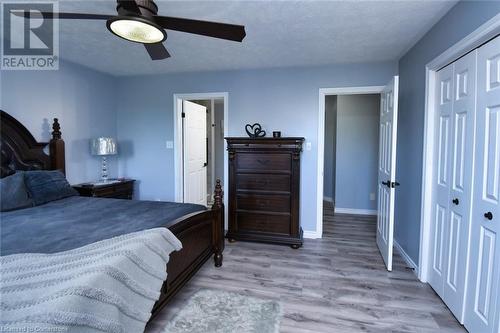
pixel 441 179
pixel 453 181
pixel 460 180
pixel 482 313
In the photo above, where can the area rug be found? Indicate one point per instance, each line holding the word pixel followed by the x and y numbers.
pixel 214 311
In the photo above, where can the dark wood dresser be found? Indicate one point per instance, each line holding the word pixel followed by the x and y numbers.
pixel 123 189
pixel 264 186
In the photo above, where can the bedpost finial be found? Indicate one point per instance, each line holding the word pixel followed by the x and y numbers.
pixel 56 133
pixel 218 194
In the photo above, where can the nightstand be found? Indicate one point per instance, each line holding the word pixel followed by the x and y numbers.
pixel 121 189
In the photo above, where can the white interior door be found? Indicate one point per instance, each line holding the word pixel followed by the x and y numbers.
pixel 387 170
pixel 194 152
pixel 441 179
pixel 455 123
pixel 460 200
pixel 483 309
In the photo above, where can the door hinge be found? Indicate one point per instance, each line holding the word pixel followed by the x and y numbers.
pixel 183 115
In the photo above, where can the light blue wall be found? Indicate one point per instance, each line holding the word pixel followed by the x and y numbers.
pixel 330 144
pixel 82 99
pixel 461 20
pixel 279 99
pixel 357 151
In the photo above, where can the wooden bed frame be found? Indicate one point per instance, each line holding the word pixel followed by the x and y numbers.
pixel 201 233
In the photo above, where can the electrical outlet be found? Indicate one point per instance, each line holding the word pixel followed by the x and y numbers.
pixel 170 145
pixel 308 146
pixel 372 196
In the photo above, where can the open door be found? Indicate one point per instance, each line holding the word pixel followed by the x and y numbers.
pixel 194 140
pixel 387 170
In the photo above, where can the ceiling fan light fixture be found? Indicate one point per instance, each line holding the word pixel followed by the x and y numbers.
pixel 136 29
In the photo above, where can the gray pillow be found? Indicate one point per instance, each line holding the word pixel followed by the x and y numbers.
pixel 13 193
pixel 46 186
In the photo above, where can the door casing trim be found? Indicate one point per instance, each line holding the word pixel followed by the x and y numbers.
pixel 178 180
pixel 323 92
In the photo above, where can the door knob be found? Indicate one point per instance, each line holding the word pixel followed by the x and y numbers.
pixel 488 215
pixel 387 183
pixel 394 184
pixel 455 201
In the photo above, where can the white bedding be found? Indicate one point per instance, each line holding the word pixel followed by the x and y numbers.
pixel 107 286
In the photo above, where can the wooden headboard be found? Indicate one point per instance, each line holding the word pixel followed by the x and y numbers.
pixel 20 150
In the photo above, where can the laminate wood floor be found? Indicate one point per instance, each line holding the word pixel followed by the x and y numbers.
pixel 336 284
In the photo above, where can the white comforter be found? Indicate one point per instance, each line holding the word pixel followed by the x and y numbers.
pixel 108 286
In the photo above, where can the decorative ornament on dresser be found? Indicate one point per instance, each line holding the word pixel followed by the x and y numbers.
pixel 103 147
pixel 255 130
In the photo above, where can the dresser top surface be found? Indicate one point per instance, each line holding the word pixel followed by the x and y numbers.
pixel 265 140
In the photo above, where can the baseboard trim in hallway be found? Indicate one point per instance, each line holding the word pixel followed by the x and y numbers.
pixel 353 211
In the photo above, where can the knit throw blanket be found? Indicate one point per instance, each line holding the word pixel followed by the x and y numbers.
pixel 107 286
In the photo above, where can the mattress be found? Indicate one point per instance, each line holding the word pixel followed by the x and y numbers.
pixel 76 221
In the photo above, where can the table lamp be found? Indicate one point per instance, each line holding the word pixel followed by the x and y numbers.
pixel 103 147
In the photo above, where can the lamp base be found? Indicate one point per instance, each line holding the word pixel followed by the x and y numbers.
pixel 104 170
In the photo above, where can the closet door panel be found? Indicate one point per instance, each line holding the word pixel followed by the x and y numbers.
pixel 462 152
pixel 442 178
pixel 483 285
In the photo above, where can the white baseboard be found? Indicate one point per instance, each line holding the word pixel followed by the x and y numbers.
pixel 311 234
pixel 406 257
pixel 355 211
pixel 329 199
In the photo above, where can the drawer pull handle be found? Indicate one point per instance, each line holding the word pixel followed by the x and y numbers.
pixel 264 162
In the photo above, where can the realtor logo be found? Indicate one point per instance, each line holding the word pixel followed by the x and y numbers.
pixel 30 41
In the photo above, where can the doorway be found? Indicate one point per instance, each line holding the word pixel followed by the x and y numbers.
pixel 214 108
pixel 351 153
pixel 386 160
pixel 211 145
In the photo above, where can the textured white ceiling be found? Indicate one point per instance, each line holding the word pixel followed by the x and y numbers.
pixel 279 34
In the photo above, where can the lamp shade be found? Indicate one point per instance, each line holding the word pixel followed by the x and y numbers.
pixel 103 146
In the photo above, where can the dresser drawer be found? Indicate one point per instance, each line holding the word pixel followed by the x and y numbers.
pixel 263 202
pixel 263 162
pixel 104 191
pixel 255 222
pixel 262 182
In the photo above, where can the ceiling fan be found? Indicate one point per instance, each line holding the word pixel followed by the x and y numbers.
pixel 137 21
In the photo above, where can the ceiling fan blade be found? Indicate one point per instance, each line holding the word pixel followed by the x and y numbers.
pixel 70 16
pixel 129 6
pixel 157 51
pixel 212 29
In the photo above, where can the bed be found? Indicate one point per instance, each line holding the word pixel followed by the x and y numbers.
pixel 76 221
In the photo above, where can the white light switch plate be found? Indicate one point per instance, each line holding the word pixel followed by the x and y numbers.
pixel 372 196
pixel 308 146
pixel 170 145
